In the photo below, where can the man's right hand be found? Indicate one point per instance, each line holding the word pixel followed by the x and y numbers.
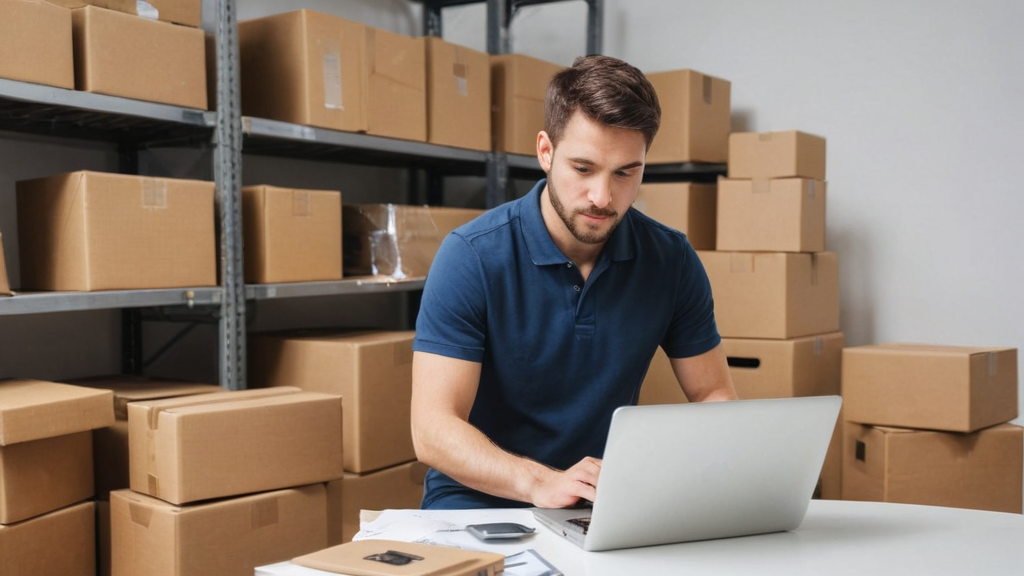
pixel 561 489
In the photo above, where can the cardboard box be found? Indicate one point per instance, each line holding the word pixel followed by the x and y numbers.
pixel 128 388
pixel 695 118
pixel 458 95
pixel 779 215
pixel 807 366
pixel 217 445
pixel 371 370
pixel 954 388
pixel 304 67
pixel 979 470
pixel 184 12
pixel 62 542
pixel 686 206
pixel 44 475
pixel 773 294
pixel 93 231
pixel 123 55
pixel 395 240
pixel 103 543
pixel 221 538
pixel 518 86
pixel 399 487
pixel 291 235
pixel 110 458
pixel 35 43
pixel 397 85
pixel 33 409
pixel 789 154
pixel 5 285
pixel 660 385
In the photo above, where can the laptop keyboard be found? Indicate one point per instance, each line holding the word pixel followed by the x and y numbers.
pixel 583 523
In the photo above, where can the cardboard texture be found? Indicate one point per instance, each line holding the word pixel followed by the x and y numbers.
pixel 123 55
pixel 518 86
pixel 218 445
pixel 34 409
pixel 762 155
pixel 399 487
pixel 779 215
pixel 395 240
pixel 685 206
pixel 128 388
pixel 660 385
pixel 61 543
pixel 291 235
pixel 184 12
pixel 305 67
pixel 397 85
pixel 5 285
pixel 979 470
pixel 87 231
pixel 807 366
pixel 695 118
pixel 954 388
pixel 222 538
pixel 371 370
pixel 35 43
pixel 44 475
pixel 774 294
pixel 354 558
pixel 458 95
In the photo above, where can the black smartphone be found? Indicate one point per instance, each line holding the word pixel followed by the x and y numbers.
pixel 499 531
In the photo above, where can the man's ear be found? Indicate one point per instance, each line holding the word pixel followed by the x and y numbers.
pixel 545 151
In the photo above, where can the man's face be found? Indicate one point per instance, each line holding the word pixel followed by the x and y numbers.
pixel 594 175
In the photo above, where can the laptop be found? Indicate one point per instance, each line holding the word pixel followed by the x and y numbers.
pixel 684 472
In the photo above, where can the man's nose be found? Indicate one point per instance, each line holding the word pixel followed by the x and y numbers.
pixel 600 193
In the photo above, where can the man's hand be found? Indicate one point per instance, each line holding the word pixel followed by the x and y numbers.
pixel 555 489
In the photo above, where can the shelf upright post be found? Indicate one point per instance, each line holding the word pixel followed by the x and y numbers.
pixel 131 318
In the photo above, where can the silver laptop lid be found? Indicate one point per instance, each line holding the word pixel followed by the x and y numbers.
pixel 682 472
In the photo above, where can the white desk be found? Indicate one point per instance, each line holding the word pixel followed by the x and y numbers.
pixel 857 538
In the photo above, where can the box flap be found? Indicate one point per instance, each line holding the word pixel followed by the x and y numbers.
pixel 153 408
pixel 129 388
pixel 355 559
pixel 928 349
pixel 34 409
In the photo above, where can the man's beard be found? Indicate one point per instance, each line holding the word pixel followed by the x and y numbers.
pixel 580 232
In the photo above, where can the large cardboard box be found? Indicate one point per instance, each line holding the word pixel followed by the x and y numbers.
pixel 686 206
pixel 807 366
pixel 291 235
pixel 960 389
pixel 5 285
pixel 789 154
pixel 217 445
pixel 185 12
pixel 34 409
pixel 518 85
pixel 305 67
pixel 371 370
pixel 979 470
pixel 774 294
pixel 398 487
pixel 660 385
pixel 397 85
pixel 123 55
pixel 778 215
pixel 396 240
pixel 93 231
pixel 458 95
pixel 44 475
pixel 35 43
pixel 221 538
pixel 695 118
pixel 62 542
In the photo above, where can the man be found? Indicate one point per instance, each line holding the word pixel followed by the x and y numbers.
pixel 540 317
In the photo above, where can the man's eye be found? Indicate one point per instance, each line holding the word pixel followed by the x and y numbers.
pixel 582 169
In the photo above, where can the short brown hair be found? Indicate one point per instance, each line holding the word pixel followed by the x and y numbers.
pixel 605 89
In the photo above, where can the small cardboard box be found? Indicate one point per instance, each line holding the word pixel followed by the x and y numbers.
pixel 397 85
pixel 34 409
pixel 458 95
pixel 218 445
pixel 773 294
pixel 954 388
pixel 398 487
pixel 44 475
pixel 222 538
pixel 371 370
pixel 779 215
pixel 62 542
pixel 695 118
pixel 518 86
pixel 685 206
pixel 89 231
pixel 35 43
pixel 5 285
pixel 807 366
pixel 123 55
pixel 305 67
pixel 291 235
pixel 979 470
pixel 396 240
pixel 789 154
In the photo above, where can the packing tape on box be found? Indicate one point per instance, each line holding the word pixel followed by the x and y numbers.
pixel 741 263
pixel 154 194
pixel 810 188
pixel 819 345
pixel 706 88
pixel 263 513
pixel 141 515
pixel 153 484
pixel 993 364
pixel 332 78
pixel 761 186
pixel 217 398
pixel 814 269
pixel 459 71
pixel 300 204
pixel 764 137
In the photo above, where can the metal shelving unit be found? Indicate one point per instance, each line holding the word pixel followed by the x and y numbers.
pixel 47 302
pixel 367 285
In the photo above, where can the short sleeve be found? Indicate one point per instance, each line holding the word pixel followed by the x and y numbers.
pixel 452 319
pixel 693 330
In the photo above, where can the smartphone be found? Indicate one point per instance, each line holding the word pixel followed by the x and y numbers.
pixel 499 531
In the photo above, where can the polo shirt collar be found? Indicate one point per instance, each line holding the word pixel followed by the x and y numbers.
pixel 542 248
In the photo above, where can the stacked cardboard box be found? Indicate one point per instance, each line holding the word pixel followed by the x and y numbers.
pixel 35 43
pixel 46 475
pixel 372 371
pixel 689 207
pixel 518 86
pixel 695 118
pixel 927 424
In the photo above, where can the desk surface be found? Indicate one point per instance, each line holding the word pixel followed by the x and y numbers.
pixel 836 537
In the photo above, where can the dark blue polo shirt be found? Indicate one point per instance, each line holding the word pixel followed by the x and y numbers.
pixel 557 355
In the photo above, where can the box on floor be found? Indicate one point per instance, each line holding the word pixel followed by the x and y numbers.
pixel 61 542
pixel 685 206
pixel 695 118
pixel 398 487
pixel 36 44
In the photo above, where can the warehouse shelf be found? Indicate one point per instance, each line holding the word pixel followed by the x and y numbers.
pixel 47 302
pixel 673 172
pixel 361 285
